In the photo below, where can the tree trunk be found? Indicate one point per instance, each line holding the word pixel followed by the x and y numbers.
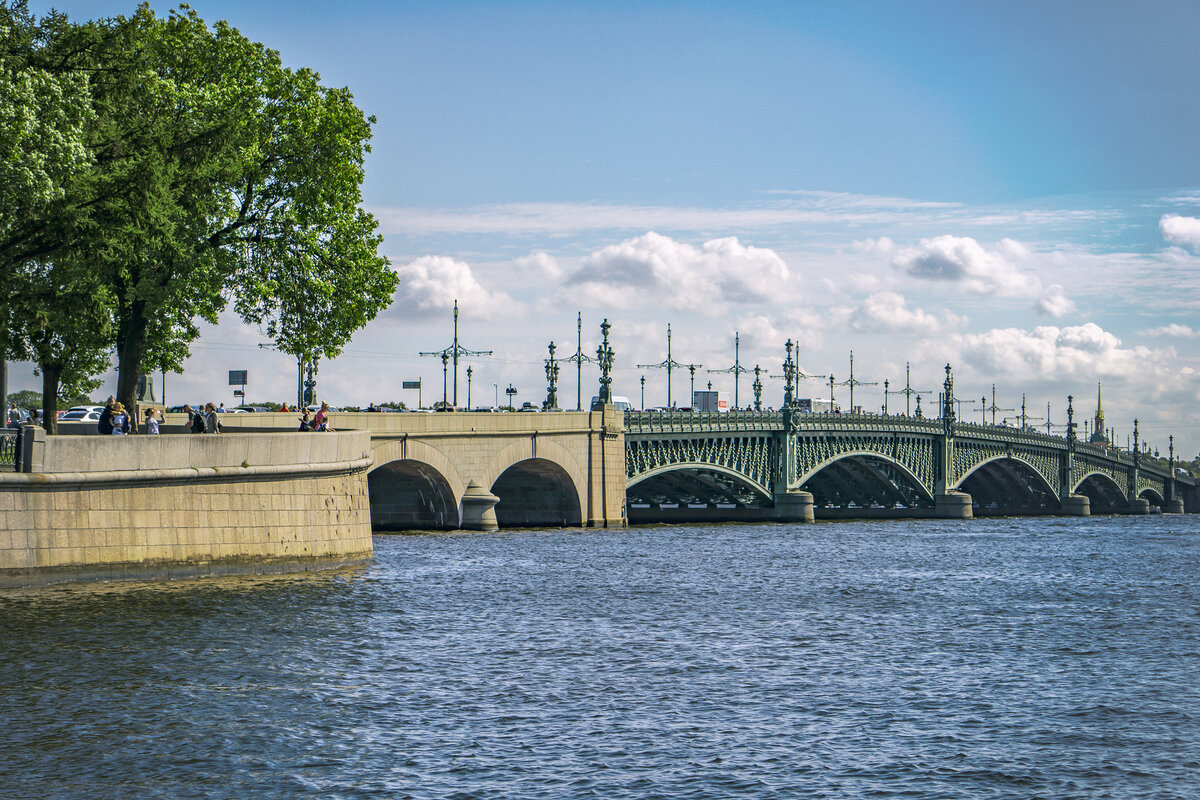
pixel 131 349
pixel 4 382
pixel 50 381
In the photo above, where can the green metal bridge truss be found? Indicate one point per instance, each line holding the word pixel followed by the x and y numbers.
pixel 746 458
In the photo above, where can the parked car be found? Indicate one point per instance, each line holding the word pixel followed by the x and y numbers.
pixel 81 415
pixel 252 409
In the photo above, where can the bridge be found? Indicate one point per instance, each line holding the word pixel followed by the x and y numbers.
pixel 603 468
pixel 792 465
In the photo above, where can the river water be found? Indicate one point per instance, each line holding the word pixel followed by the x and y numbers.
pixel 998 658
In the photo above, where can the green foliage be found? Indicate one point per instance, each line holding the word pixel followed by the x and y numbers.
pixel 165 167
pixel 26 398
pixel 393 404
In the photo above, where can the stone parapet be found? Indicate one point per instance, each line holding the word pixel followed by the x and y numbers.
pixel 221 508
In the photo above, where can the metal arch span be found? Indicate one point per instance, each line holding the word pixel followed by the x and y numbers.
pixel 1043 482
pixel 1105 479
pixel 700 465
pixel 925 491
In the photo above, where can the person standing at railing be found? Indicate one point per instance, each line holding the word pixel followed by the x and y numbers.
pixel 151 422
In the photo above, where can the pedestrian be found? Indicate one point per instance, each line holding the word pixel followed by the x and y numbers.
pixel 195 419
pixel 305 425
pixel 119 422
pixel 105 425
pixel 284 408
pixel 151 422
pixel 221 410
pixel 210 419
pixel 321 420
pixel 34 417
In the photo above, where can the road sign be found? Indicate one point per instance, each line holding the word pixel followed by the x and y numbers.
pixel 237 377
pixel 410 384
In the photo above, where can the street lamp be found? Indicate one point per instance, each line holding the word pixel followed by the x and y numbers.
pixel 469 373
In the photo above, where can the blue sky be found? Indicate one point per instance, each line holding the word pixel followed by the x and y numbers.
pixel 1014 188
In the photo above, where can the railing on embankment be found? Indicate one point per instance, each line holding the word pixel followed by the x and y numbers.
pixel 116 507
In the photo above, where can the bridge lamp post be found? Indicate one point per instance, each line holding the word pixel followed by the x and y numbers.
pixel 469 373
pixel 496 387
pixel 758 387
pixel 445 374
pixel 643 406
pixel 831 394
pixel 886 383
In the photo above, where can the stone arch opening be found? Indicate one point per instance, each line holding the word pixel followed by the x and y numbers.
pixel 1102 492
pixel 536 493
pixel 1009 486
pixel 864 480
pixel 410 495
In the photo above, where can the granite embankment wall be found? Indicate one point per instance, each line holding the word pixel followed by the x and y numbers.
pixel 134 507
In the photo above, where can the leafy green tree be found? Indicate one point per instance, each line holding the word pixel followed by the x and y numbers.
pixel 199 170
pixel 68 320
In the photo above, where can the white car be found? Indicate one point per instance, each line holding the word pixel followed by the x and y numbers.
pixel 81 415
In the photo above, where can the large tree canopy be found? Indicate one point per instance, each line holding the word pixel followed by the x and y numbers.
pixel 200 170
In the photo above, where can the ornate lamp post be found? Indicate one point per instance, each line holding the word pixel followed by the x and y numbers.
pixel 552 379
pixel 470 372
pixel 668 364
pixel 789 377
pixel 757 388
pixel 831 382
pixel 604 355
pixel 692 385
pixel 445 378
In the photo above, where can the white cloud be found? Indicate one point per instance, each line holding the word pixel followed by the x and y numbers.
pixel 540 264
pixel 1173 329
pixel 432 283
pixel 963 261
pixel 1053 353
pixel 656 271
pixel 887 312
pixel 1180 230
pixel 1054 303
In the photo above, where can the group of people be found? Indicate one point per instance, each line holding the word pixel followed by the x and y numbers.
pixel 319 421
pixel 203 420
pixel 115 420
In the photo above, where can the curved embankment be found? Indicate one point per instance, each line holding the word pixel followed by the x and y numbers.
pixel 152 507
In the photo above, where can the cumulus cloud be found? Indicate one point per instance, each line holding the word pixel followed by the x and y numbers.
pixel 1174 329
pixel 1179 230
pixel 888 312
pixel 655 270
pixel 963 261
pixel 432 283
pixel 1054 303
pixel 541 264
pixel 1050 352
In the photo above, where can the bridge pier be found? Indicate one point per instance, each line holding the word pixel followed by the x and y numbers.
pixel 1173 506
pixel 1077 505
pixel 1139 505
pixel 794 507
pixel 953 505
pixel 479 509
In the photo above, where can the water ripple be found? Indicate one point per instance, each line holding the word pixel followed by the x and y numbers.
pixel 995 659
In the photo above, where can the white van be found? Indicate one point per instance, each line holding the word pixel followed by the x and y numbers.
pixel 622 403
